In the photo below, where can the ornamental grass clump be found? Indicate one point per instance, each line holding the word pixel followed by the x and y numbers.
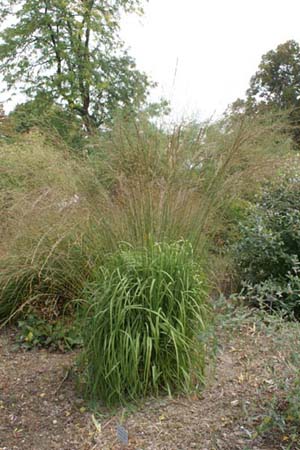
pixel 45 205
pixel 146 312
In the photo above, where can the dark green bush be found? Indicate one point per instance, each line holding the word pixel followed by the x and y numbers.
pixel 268 252
pixel 260 252
pixel 51 118
pixel 146 311
pixel 270 239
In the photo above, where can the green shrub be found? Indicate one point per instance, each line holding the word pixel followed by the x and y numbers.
pixel 275 295
pixel 270 239
pixel 52 119
pixel 260 252
pixel 146 311
pixel 268 252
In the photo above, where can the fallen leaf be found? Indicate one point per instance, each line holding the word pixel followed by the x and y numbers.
pixel 234 402
pixel 96 423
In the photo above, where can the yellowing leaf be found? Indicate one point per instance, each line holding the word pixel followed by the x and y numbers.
pixel 29 337
pixel 241 378
pixel 267 420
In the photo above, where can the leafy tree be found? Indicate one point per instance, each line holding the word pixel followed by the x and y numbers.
pixel 71 51
pixel 277 80
pixel 276 84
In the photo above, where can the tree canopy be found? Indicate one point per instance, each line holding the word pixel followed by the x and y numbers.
pixel 277 81
pixel 274 88
pixel 72 52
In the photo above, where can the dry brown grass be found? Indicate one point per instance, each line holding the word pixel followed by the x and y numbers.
pixel 60 214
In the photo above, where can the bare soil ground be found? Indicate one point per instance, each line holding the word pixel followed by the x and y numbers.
pixel 40 408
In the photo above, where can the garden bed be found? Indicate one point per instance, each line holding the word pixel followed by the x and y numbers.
pixel 40 408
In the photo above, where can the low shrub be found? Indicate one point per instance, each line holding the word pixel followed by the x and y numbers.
pixel 62 335
pixel 275 295
pixel 146 310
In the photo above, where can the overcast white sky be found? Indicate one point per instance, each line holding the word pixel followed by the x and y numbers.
pixel 218 45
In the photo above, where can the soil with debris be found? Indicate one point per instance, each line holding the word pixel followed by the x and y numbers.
pixel 40 408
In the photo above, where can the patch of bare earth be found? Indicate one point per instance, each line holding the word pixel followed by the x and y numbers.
pixel 40 408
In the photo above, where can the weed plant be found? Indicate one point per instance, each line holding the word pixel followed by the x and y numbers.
pixel 62 334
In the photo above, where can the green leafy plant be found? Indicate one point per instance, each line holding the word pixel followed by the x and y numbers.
pixel 72 52
pixel 53 119
pixel 59 334
pixel 267 254
pixel 145 314
pixel 270 237
pixel 260 252
pixel 281 295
